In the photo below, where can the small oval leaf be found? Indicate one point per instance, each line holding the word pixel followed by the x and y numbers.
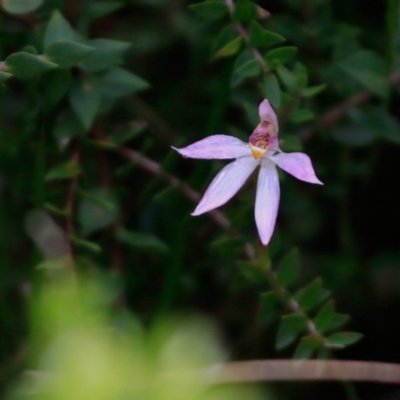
pixel 210 9
pixel 307 347
pixel 230 49
pixel 281 55
pixel 288 269
pixel 342 339
pixel 18 7
pixel 291 327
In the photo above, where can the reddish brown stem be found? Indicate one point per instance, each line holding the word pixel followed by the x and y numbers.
pixel 310 370
pixel 333 116
pixel 106 182
pixel 71 192
pixel 244 34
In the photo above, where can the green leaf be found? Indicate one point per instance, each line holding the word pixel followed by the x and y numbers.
pixel 210 9
pixel 268 308
pixel 245 11
pixel 86 244
pixel 250 272
pixel 286 98
pixel 63 171
pixel 307 347
pixel 57 263
pixel 141 241
pixel 230 48
pixel 30 50
pixel 342 339
pixel 62 212
pixel 244 57
pixel 271 90
pixel 323 319
pixel 85 100
pixel 27 66
pixel 287 77
pixel 288 269
pixel 58 28
pixel 312 295
pixel 281 55
pixel 102 144
pixel 225 36
pixel 249 69
pixel 312 90
pixel 66 53
pixel 97 210
pixel 291 327
pixel 327 319
pixel 252 114
pixel 18 7
pixel 338 321
pixel 4 76
pixel 54 85
pixel 103 8
pixel 117 82
pixel 261 37
pixel 107 53
pixel 301 76
pixel 300 115
pixel 369 69
pixel 378 122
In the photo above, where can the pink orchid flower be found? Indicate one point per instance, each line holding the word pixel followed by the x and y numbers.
pixel 263 150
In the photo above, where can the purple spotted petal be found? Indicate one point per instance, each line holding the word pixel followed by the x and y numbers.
pixel 268 114
pixel 226 184
pixel 216 147
pixel 297 164
pixel 267 200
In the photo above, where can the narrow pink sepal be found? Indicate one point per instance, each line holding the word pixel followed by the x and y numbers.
pixel 267 113
pixel 267 200
pixel 216 147
pixel 226 184
pixel 297 164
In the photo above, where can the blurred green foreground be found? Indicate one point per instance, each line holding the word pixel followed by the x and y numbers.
pixel 84 350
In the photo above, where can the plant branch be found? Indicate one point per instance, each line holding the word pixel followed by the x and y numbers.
pixel 156 124
pixel 106 183
pixel 155 169
pixel 289 302
pixel 311 370
pixel 71 192
pixel 244 34
pixel 333 116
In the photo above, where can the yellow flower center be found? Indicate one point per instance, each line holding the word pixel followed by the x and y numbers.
pixel 257 152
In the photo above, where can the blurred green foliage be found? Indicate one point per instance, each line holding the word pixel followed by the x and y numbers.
pixel 88 351
pixel 83 83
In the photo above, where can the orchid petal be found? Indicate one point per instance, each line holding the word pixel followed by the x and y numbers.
pixel 267 114
pixel 267 200
pixel 226 184
pixel 216 147
pixel 297 164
